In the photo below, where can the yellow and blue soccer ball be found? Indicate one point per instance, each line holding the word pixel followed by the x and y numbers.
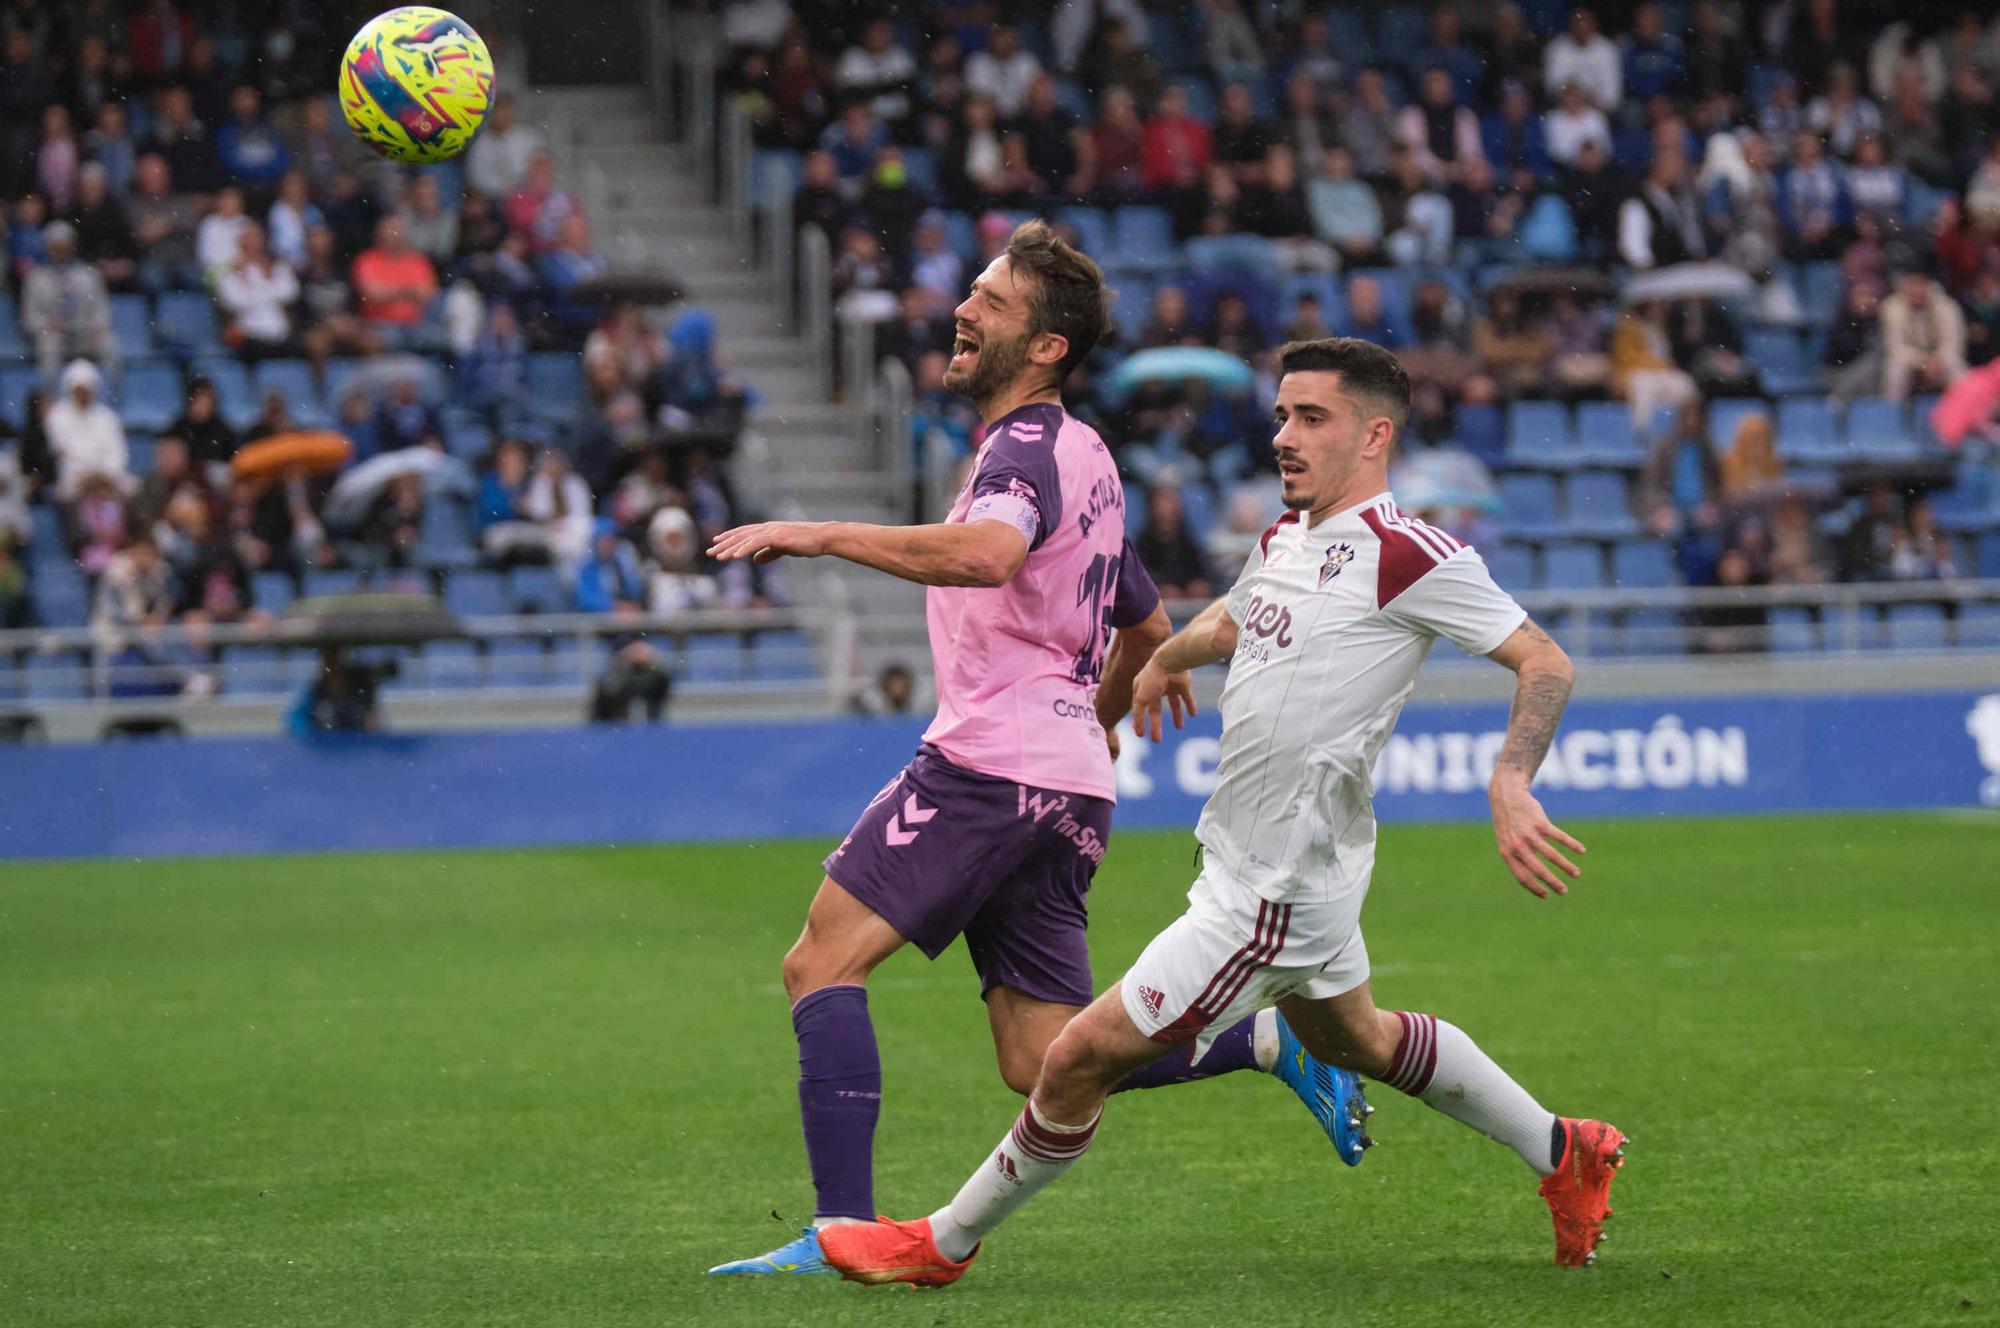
pixel 415 84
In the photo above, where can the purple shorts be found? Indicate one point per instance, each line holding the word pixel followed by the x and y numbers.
pixel 944 851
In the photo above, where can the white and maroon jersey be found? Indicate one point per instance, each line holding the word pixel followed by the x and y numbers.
pixel 1017 665
pixel 1333 623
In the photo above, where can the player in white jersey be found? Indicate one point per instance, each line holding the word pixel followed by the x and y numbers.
pixel 1326 631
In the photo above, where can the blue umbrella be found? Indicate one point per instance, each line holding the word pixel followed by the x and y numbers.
pixel 1218 369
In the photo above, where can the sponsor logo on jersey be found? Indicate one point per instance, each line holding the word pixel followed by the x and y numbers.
pixel 1337 557
pixel 1268 619
pixel 1152 1000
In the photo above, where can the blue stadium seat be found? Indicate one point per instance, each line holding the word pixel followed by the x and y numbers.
pixel 56 679
pixel 234 396
pixel 61 595
pixel 1572 566
pixel 1876 430
pixel 1321 285
pixel 1093 230
pixel 1642 564
pixel 1480 430
pixel 1808 431
pixel 444 540
pixel 1726 415
pixel 185 323
pixel 1979 625
pixel 961 235
pixel 775 174
pixel 12 344
pixel 1538 434
pixel 1780 360
pixel 1605 436
pixel 1135 508
pixel 1529 508
pixel 1198 508
pixel 1133 302
pixel 141 452
pixel 1600 506
pixel 340 581
pixel 1792 630
pixel 47 544
pixel 1652 632
pixel 477 594
pixel 132 325
pixel 1200 94
pixel 1548 232
pixel 536 590
pixel 922 167
pixel 1400 32
pixel 151 395
pixel 1349 32
pixel 468 442
pixel 1920 422
pixel 554 383
pixel 1820 290
pixel 271 591
pixel 1512 566
pixel 1916 626
pixel 1144 238
pixel 1233 253
pixel 16 382
pixel 292 377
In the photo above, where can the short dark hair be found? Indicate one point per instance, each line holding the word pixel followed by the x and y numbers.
pixel 1366 370
pixel 1068 296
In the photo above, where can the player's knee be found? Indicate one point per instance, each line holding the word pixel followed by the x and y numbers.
pixel 1019 1072
pixel 800 972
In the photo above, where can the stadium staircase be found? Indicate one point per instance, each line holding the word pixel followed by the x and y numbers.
pixel 803 455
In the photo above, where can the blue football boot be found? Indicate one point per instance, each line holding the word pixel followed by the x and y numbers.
pixel 1333 1096
pixel 798 1258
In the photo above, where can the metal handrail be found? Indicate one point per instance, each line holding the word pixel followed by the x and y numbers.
pixel 858 369
pixel 895 399
pixel 816 300
pixel 780 250
pixel 734 166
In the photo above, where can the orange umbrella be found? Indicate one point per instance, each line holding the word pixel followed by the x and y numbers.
pixel 309 451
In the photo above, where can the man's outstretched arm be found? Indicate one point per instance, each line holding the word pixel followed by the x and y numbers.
pixel 976 553
pixel 1130 651
pixel 1526 837
pixel 1209 637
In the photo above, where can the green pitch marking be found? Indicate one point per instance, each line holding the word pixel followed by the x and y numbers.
pixel 551 1088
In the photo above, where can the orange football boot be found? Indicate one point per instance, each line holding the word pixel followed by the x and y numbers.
pixel 889 1251
pixel 1579 1189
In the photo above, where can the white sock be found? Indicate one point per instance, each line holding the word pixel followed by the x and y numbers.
pixel 819 1222
pixel 1035 1152
pixel 1264 1038
pixel 1436 1063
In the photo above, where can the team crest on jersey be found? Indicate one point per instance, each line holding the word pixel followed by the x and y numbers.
pixel 1337 557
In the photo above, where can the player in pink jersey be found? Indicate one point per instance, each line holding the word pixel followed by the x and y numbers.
pixel 996 827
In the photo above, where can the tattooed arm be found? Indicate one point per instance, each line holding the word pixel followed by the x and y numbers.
pixel 1526 837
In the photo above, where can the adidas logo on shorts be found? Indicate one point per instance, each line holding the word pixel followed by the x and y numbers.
pixel 1151 1000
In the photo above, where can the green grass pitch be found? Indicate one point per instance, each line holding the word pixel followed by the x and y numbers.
pixel 550 1088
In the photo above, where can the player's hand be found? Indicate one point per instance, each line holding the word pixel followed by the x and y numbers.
pixel 1111 741
pixel 1153 686
pixel 769 540
pixel 1529 841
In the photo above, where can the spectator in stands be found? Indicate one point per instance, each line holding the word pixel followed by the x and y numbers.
pixel 163 226
pixel 57 159
pixel 1274 206
pixel 1345 212
pixel 135 589
pixel 1912 127
pixel 1229 42
pixel 17 527
pixel 540 207
pixel 392 527
pixel 1661 224
pixel 1851 361
pixel 1233 329
pixel 292 215
pixel 1003 71
pixel 25 88
pixel 209 438
pixel 495 372
pixel 1240 137
pixel 17 606
pixel 1921 551
pixel 395 285
pixel 1841 115
pixel 1175 142
pixel 325 151
pixel 429 226
pixel 1730 628
pixel 1963 246
pixel 1169 549
pixel 609 579
pixel 1706 343
pixel 256 294
pixel 1750 470
pixel 1798 552
pixel 628 346
pixel 252 153
pixel 497 162
pixel 879 71
pixel 1168 323
pixel 173 470
pixel 1308 321
pixel 65 309
pixel 211 582
pixel 935 266
pixel 1572 124
pixel 1868 548
pixel 1421 220
pixel 341 698
pixel 1369 126
pixel 572 261
pixel 1512 52
pixel 1745 211
pixel 1595 192
pixel 855 140
pixel 695 380
pixel 1445 50
pixel 103 233
pixel 1654 64
pixel 405 419
pixel 184 141
pixel 328 322
pixel 219 238
pixel 1716 59
pixel 502 528
pixel 1922 337
pixel 1585 57
pixel 1442 135
pixel 1368 317
pixel 1642 365
pixel 274 416
pixel 1510 346
pixel 1513 139
pixel 1486 214
pixel 1814 202
pixel 891 693
pixel 109 144
pixel 558 501
pixel 1059 152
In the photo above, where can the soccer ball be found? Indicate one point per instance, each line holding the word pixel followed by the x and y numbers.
pixel 415 84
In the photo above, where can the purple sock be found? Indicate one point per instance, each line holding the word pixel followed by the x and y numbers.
pixel 1235 1048
pixel 840 1095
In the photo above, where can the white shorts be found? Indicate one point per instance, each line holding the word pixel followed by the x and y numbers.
pixel 1234 952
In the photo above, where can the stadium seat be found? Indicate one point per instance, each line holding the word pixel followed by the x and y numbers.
pixel 292 377
pixel 234 396
pixel 185 323
pixel 1548 232
pixel 141 452
pixel 61 595
pixel 47 544
pixel 1093 230
pixel 477 594
pixel 1480 429
pixel 1600 506
pixel 1920 422
pixel 1400 32
pixel 1322 286
pixel 1808 432
pixel 444 540
pixel 1133 303
pixel 1512 566
pixel 1988 559
pixel 775 174
pixel 1529 507
pixel 1793 631
pixel 1726 416
pixel 272 591
pixel 468 442
pixel 1652 632
pixel 340 581
pixel 1605 436
pixel 1916 626
pixel 1135 508
pixel 151 396
pixel 1820 288
pixel 1876 430
pixel 1642 564
pixel 1233 253
pixel 536 590
pixel 1979 625
pixel 1572 566
pixel 132 325
pixel 1780 361
pixel 1538 434
pixel 1349 32
pixel 56 679
pixel 961 235
pixel 16 383
pixel 1143 237
pixel 555 383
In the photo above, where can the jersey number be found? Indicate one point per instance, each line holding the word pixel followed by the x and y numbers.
pixel 1094 594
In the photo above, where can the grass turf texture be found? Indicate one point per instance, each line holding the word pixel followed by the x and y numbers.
pixel 550 1088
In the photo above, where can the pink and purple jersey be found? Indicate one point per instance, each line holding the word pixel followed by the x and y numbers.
pixel 1017 665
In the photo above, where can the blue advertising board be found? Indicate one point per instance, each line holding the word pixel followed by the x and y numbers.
pixel 1690 756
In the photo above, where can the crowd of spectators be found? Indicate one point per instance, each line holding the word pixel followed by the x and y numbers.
pixel 190 165
pixel 1395 166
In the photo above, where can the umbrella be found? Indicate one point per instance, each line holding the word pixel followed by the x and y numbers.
pixel 626 288
pixel 365 618
pixel 1217 368
pixel 1913 476
pixel 1967 404
pixel 309 451
pixel 1586 283
pixel 1690 281
pixel 1444 477
pixel 441 472
pixel 377 375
